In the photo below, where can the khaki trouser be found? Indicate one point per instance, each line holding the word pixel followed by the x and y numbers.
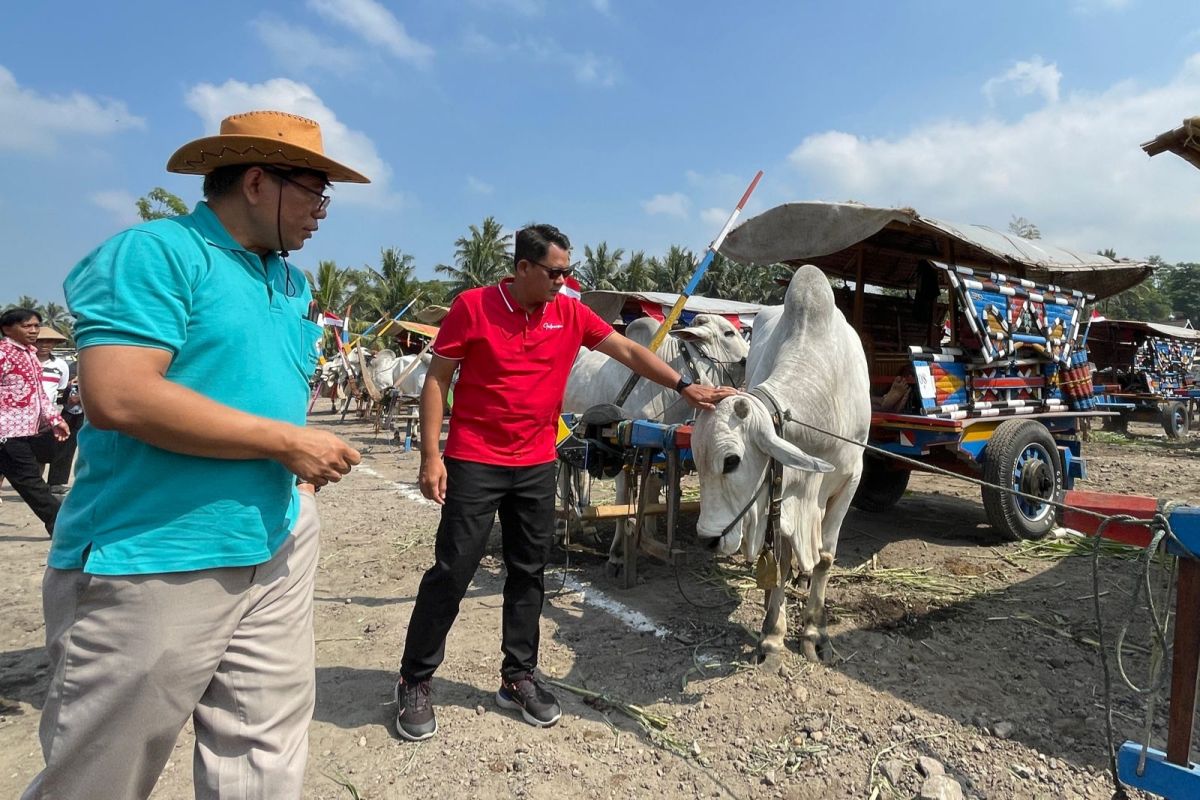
pixel 134 656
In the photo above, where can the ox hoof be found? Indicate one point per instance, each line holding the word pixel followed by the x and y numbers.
pixel 614 569
pixel 769 662
pixel 815 650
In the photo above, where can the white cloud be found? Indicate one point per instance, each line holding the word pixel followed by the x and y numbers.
pixel 671 205
pixel 122 206
pixel 714 217
pixel 298 48
pixel 353 148
pixel 591 69
pixel 603 6
pixel 1025 78
pixel 1074 168
pixel 377 25
pixel 34 122
pixel 476 186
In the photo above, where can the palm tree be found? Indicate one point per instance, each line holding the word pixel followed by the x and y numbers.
pixel 57 317
pixel 480 260
pixel 329 286
pixel 392 286
pixel 675 270
pixel 637 275
pixel 600 267
pixel 25 301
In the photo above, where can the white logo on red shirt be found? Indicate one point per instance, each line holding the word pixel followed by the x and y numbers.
pixel 551 326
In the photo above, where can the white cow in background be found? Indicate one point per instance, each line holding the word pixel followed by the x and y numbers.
pixel 810 363
pixel 711 343
pixel 716 348
pixel 399 372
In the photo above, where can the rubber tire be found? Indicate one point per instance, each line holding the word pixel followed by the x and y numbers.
pixel 881 486
pixel 1008 443
pixel 1175 420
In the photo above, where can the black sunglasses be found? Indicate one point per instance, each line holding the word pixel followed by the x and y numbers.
pixel 555 273
pixel 323 199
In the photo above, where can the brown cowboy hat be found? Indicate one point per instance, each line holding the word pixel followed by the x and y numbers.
pixel 48 334
pixel 262 137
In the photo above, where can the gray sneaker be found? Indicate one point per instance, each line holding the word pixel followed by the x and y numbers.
pixel 59 490
pixel 526 693
pixel 415 720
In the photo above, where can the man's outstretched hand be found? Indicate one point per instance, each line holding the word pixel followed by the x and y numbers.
pixel 706 398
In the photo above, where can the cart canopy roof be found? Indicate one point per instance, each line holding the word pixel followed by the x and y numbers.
pixel 1184 142
pixel 892 241
pixel 617 306
pixel 1136 328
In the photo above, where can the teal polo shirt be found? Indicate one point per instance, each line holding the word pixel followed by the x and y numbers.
pixel 237 332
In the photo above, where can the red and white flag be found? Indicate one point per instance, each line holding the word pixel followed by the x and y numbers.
pixel 571 288
pixel 1097 316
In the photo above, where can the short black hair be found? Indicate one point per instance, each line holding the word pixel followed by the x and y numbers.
pixel 533 241
pixel 18 316
pixel 221 180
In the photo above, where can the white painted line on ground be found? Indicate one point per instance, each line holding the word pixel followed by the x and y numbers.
pixel 409 491
pixel 588 594
pixel 634 619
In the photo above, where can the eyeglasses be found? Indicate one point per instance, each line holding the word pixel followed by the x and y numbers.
pixel 322 201
pixel 555 274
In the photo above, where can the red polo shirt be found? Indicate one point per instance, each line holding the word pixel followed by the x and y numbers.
pixel 512 373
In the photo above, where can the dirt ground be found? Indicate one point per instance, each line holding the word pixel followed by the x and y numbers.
pixel 950 644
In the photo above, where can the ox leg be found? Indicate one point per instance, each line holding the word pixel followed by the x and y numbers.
pixel 616 551
pixel 815 642
pixel 774 629
pixel 814 639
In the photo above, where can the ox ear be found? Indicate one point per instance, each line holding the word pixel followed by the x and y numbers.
pixel 693 334
pixel 789 455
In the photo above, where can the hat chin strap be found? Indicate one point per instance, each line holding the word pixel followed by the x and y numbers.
pixel 283 253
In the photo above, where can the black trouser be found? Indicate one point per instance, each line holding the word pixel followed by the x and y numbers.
pixel 21 460
pixel 524 496
pixel 64 454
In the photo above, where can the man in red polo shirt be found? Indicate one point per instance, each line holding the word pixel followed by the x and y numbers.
pixel 513 345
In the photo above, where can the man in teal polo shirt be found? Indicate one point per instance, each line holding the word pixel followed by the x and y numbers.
pixel 179 582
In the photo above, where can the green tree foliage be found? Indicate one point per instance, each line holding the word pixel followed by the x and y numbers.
pixel 159 203
pixel 637 275
pixel 1023 228
pixel 600 267
pixel 480 259
pixel 730 280
pixel 675 269
pixel 391 287
pixel 1182 286
pixel 330 286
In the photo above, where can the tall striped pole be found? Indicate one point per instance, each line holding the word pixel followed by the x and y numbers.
pixel 697 276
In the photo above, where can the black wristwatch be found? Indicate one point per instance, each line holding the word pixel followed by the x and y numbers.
pixel 684 382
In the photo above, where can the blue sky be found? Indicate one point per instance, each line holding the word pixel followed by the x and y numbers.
pixel 638 122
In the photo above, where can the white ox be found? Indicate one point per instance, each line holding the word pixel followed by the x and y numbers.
pixel 808 359
pixel 404 373
pixel 711 344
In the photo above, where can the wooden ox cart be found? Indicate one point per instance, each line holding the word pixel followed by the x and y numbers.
pixel 1143 372
pixel 971 337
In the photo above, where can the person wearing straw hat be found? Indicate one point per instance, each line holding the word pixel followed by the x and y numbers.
pixel 60 389
pixel 179 582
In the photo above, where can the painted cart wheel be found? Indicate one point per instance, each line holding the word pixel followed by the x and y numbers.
pixel 1022 455
pixel 1175 420
pixel 881 486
